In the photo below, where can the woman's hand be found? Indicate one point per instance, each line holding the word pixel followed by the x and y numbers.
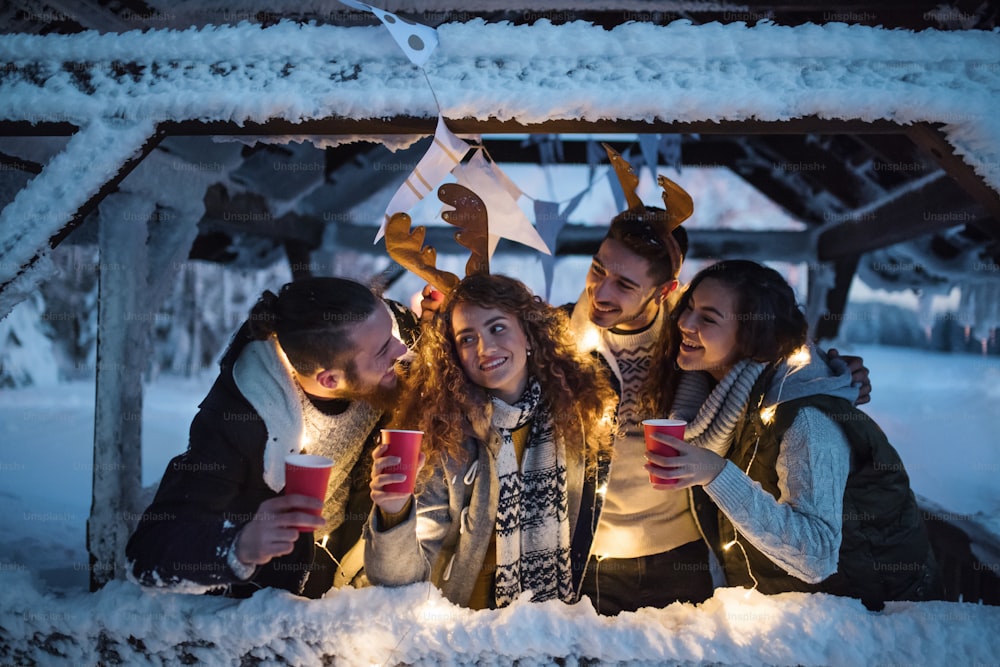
pixel 693 466
pixel 387 501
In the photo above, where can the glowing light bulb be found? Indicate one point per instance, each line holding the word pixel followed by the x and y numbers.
pixel 591 339
pixel 799 357
pixel 767 414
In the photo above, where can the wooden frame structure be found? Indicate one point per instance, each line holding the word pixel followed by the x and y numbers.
pixel 831 250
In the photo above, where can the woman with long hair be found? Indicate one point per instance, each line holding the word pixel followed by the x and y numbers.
pixel 811 495
pixel 516 426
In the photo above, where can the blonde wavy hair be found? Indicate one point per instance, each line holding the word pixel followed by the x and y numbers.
pixel 440 400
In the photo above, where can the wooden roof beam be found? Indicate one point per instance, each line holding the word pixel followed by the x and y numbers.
pixel 931 139
pixel 578 239
pixel 425 126
pixel 930 205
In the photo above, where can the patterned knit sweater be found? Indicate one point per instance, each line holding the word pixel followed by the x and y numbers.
pixel 638 520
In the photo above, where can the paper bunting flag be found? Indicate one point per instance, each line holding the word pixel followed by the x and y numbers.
pixel 444 154
pixel 418 41
pixel 550 148
pixel 506 219
pixel 670 150
pixel 549 221
pixel 595 155
pixel 649 147
pixel 616 187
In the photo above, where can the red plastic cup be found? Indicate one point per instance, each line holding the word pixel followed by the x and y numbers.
pixel 672 427
pixel 405 445
pixel 308 475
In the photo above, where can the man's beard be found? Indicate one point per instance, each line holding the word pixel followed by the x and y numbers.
pixel 383 399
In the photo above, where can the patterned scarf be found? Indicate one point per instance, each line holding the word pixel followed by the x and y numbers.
pixel 532 514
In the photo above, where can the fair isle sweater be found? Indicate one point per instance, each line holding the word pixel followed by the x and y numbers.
pixel 637 520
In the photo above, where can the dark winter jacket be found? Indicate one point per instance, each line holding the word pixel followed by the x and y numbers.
pixel 212 490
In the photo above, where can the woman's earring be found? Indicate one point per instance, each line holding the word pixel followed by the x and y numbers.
pixel 528 353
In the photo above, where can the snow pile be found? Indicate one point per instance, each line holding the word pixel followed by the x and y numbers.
pixel 124 624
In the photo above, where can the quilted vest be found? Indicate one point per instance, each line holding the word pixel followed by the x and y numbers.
pixel 885 553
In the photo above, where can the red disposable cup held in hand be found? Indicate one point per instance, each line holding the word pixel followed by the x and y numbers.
pixel 671 427
pixel 307 475
pixel 406 446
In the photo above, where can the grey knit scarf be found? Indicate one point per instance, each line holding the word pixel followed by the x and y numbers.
pixel 712 420
pixel 532 512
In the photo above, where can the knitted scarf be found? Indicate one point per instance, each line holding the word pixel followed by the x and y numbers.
pixel 532 512
pixel 712 421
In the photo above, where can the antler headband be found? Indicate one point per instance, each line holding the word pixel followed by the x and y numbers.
pixel 677 202
pixel 469 216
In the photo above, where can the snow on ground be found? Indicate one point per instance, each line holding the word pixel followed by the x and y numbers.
pixel 938 409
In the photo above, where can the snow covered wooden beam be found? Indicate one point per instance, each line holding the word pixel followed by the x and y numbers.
pixel 933 140
pixel 124 319
pixel 95 160
pixel 527 75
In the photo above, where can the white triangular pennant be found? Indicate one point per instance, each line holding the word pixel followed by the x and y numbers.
pixel 648 145
pixel 444 153
pixel 417 41
pixel 500 195
pixel 670 150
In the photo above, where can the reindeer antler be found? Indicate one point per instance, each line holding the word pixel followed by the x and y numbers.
pixel 408 249
pixel 469 216
pixel 677 202
pixel 626 177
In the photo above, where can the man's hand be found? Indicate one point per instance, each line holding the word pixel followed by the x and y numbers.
pixel 859 375
pixel 430 304
pixel 274 530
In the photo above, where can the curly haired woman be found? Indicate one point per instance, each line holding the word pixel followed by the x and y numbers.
pixel 517 423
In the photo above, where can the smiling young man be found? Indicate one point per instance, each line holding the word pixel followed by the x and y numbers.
pixel 312 370
pixel 647 549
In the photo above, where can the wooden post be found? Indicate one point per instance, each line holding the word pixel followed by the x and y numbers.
pixel 123 321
